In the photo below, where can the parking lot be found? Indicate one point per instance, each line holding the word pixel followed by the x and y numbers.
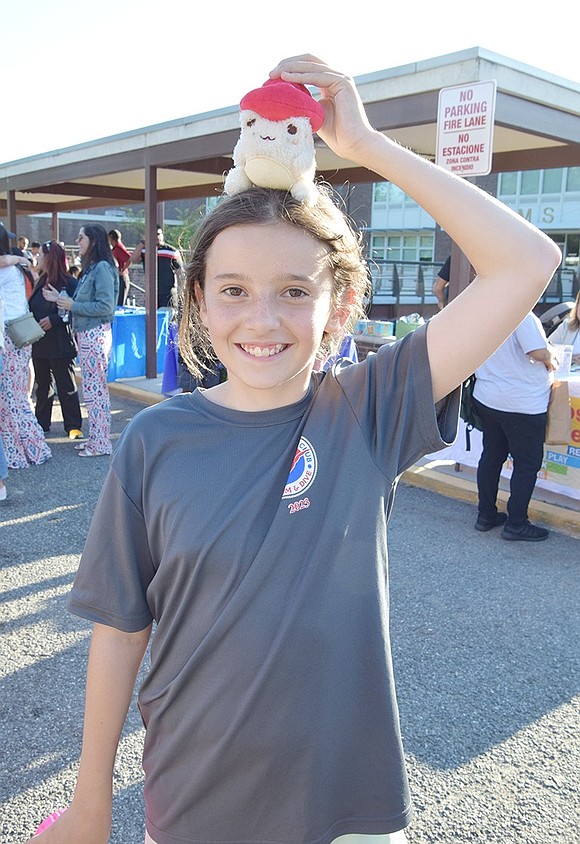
pixel 486 641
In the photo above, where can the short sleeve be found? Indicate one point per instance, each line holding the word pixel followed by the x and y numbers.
pixel 531 335
pixel 116 565
pixel 391 395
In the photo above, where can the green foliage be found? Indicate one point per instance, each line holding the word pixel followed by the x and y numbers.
pixel 182 234
pixel 133 225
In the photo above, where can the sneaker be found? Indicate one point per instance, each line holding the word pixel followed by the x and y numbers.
pixel 488 524
pixel 524 533
pixel 75 434
pixel 3 493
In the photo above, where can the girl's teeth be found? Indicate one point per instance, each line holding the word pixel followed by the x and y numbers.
pixel 264 352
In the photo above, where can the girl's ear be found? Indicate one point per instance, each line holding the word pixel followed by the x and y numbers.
pixel 341 312
pixel 200 299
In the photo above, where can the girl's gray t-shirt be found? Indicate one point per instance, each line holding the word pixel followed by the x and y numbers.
pixel 256 543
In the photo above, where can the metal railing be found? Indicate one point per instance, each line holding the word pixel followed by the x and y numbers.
pixel 411 283
pixel 563 287
pixel 403 282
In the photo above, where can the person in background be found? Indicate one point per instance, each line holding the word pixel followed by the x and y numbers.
pixel 74 270
pixel 123 258
pixel 169 266
pixel 93 308
pixel 568 332
pixel 23 243
pixel 35 252
pixel 27 266
pixel 441 284
pixel 511 392
pixel 54 354
pixel 227 527
pixel 22 436
pixel 3 461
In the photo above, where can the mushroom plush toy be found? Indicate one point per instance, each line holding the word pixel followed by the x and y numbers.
pixel 276 145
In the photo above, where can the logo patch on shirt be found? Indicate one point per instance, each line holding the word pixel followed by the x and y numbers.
pixel 303 470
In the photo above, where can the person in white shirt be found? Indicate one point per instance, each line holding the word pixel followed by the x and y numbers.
pixel 22 436
pixel 512 391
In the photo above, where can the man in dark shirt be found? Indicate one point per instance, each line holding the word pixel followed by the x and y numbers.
pixel 169 264
pixel 441 284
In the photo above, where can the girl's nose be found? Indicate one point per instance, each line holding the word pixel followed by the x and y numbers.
pixel 263 314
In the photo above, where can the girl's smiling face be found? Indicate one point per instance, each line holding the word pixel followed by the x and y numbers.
pixel 266 302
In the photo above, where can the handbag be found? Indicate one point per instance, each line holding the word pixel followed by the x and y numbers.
pixel 558 426
pixel 23 330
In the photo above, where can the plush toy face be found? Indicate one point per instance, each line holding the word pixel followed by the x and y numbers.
pixel 274 153
pixel 276 145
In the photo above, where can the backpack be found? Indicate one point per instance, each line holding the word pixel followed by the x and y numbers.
pixel 28 280
pixel 467 410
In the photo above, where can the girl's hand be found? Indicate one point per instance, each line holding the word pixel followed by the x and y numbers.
pixel 346 125
pixel 45 323
pixel 64 302
pixel 50 293
pixel 74 827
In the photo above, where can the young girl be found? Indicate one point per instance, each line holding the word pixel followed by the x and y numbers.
pixel 250 518
pixel 54 354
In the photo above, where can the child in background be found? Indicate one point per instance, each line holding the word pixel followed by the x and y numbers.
pixel 248 521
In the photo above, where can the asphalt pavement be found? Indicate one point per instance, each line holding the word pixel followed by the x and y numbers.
pixel 486 643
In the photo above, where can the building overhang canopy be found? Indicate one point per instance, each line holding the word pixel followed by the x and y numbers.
pixel 537 126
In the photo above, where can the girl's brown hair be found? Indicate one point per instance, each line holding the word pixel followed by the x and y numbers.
pixel 323 221
pixel 54 268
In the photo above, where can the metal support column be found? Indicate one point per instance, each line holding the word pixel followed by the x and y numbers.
pixel 11 212
pixel 151 271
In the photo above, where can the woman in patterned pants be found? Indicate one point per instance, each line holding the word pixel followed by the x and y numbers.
pixel 92 308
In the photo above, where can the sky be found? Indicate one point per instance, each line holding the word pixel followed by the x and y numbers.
pixel 84 71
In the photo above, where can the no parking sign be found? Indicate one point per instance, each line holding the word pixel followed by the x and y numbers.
pixel 465 119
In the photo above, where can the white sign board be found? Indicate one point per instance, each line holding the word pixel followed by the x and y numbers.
pixel 465 119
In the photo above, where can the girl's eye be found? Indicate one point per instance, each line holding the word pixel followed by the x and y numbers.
pixel 233 291
pixel 291 129
pixel 296 293
pixel 251 122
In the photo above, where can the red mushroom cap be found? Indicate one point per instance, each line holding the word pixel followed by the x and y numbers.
pixel 279 100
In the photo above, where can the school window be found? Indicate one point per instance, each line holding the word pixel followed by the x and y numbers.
pixel 388 195
pixel 573 180
pixel 378 247
pixel 553 180
pixel 380 193
pixel 426 243
pixel 398 247
pixel 536 183
pixel 530 182
pixel 409 248
pixel 508 184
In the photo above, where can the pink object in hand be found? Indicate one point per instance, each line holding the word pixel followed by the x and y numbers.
pixel 48 821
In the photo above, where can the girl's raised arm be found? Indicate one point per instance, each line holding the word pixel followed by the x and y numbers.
pixel 513 260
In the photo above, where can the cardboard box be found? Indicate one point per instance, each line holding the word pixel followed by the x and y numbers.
pixel 404 328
